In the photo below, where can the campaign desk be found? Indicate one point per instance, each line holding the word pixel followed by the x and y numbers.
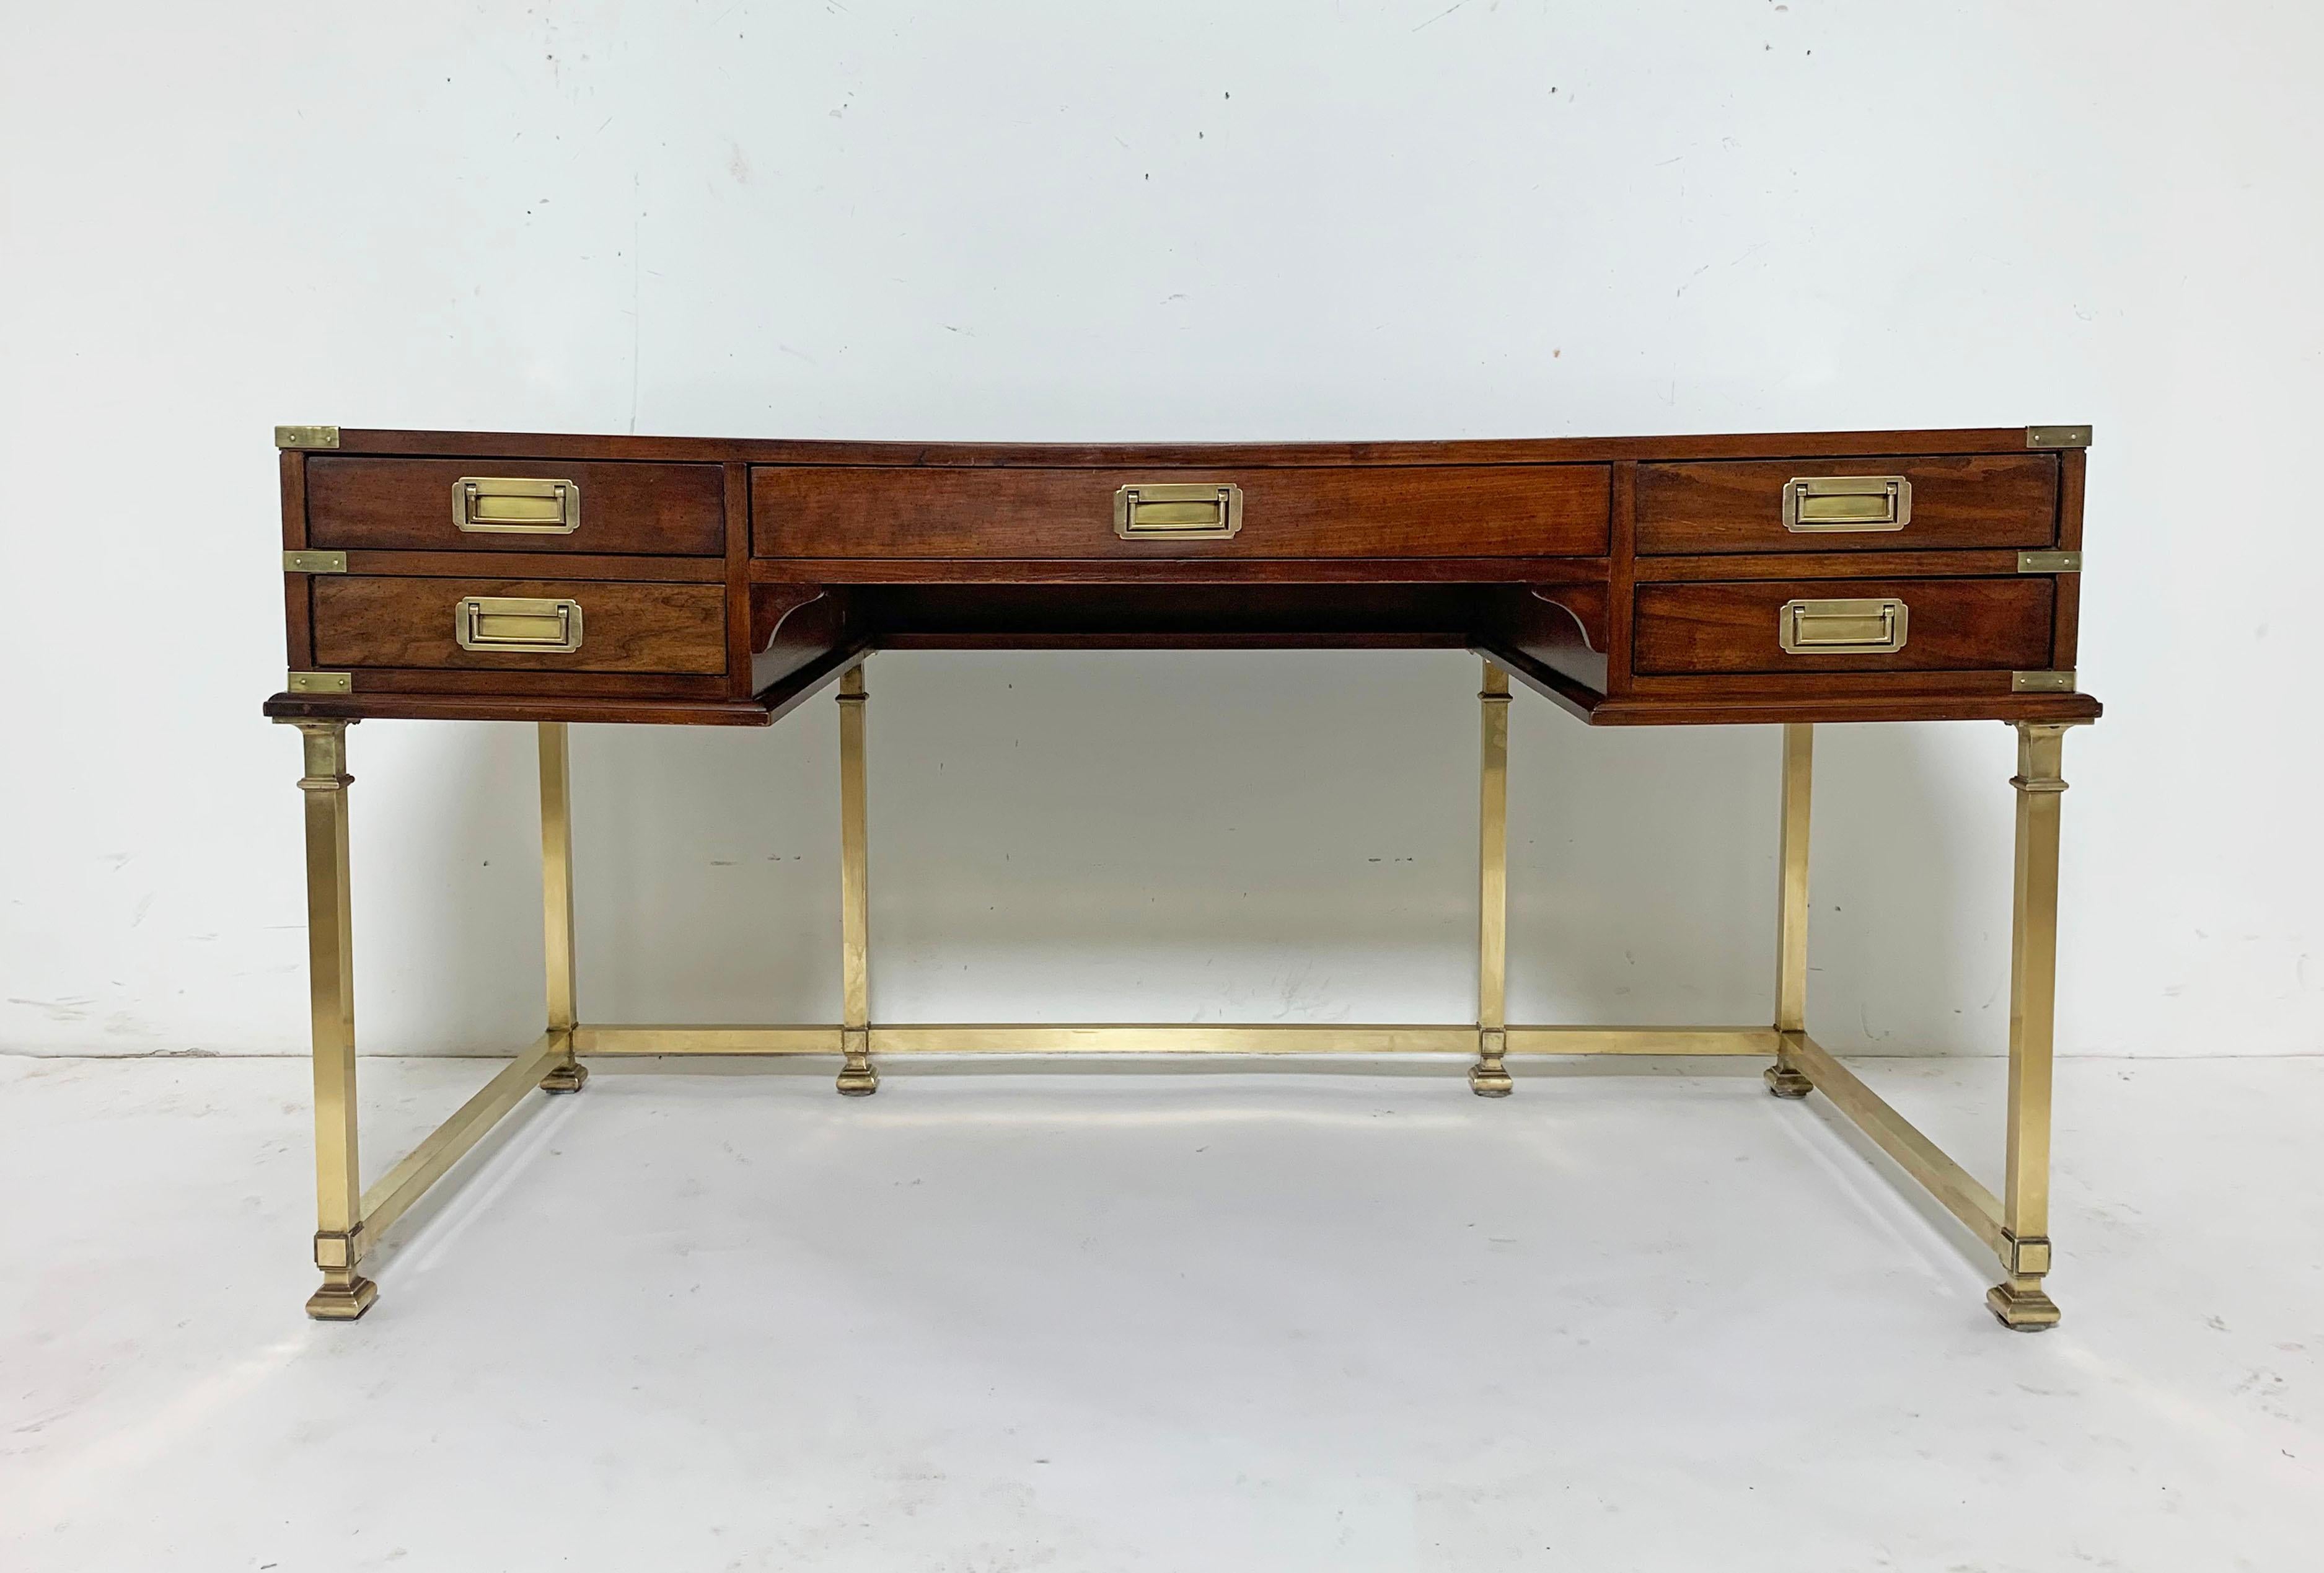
pixel 1888 576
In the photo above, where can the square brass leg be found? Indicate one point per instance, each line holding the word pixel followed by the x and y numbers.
pixel 857 1078
pixel 566 1074
pixel 1785 1079
pixel 2018 1298
pixel 1489 1076
pixel 339 1240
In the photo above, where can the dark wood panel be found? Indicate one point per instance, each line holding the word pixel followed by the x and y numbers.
pixel 536 564
pixel 735 512
pixel 2067 636
pixel 1844 706
pixel 1119 454
pixel 520 708
pixel 1984 500
pixel 1622 577
pixel 1822 565
pixel 626 628
pixel 298 610
pixel 1166 617
pixel 1953 625
pixel 1478 510
pixel 1060 570
pixel 406 504
pixel 390 679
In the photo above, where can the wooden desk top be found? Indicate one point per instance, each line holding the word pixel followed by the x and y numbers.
pixel 1813 577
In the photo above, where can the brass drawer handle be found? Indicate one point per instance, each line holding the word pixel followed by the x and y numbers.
pixel 1840 503
pixel 515 506
pixel 1843 627
pixel 517 625
pixel 1174 512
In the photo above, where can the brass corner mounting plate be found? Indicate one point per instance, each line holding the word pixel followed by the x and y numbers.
pixel 321 682
pixel 2057 437
pixel 314 562
pixel 2041 682
pixel 305 436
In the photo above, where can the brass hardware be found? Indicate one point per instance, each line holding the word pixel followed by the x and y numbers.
pixel 2049 562
pixel 567 1074
pixel 517 624
pixel 314 562
pixel 1273 1039
pixel 321 682
pixel 2041 682
pixel 1174 512
pixel 339 1240
pixel 1489 1077
pixel 515 506
pixel 2057 437
pixel 2018 1299
pixel 1784 1078
pixel 1858 628
pixel 2015 1224
pixel 1944 1179
pixel 858 1077
pixel 305 436
pixel 1844 503
pixel 425 1164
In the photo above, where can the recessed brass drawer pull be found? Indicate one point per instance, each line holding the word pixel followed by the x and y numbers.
pixel 1840 503
pixel 1868 627
pixel 515 506
pixel 517 625
pixel 1177 511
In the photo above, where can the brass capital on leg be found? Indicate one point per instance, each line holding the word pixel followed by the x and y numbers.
pixel 857 1078
pixel 2019 1300
pixel 345 1294
pixel 1489 1076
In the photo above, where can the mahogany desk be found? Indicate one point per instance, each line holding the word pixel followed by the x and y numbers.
pixel 1641 581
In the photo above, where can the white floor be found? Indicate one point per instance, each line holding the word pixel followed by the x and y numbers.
pixel 996 1319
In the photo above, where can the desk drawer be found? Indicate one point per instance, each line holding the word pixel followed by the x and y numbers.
pixel 1950 624
pixel 1879 505
pixel 1366 510
pixel 513 504
pixel 519 625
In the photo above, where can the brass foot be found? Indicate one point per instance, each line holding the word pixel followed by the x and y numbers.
pixel 1786 1082
pixel 341 1300
pixel 857 1078
pixel 569 1077
pixel 2021 1305
pixel 1490 1080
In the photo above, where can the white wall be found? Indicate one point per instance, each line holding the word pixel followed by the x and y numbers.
pixel 1172 221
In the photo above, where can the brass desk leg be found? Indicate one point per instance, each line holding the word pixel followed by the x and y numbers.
pixel 1784 1078
pixel 2018 1299
pixel 566 1074
pixel 857 1078
pixel 339 1243
pixel 1489 1077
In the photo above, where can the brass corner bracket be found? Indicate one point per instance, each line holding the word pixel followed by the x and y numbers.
pixel 305 436
pixel 2057 437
